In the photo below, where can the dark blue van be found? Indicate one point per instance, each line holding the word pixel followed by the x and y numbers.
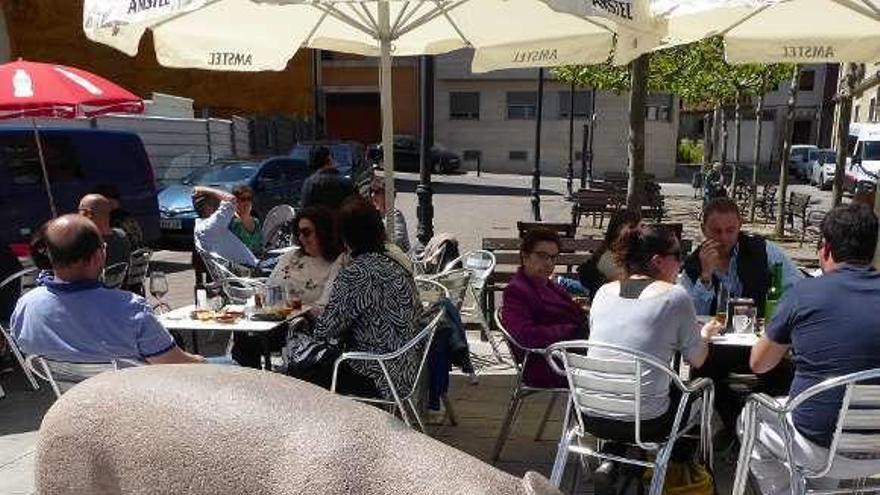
pixel 77 160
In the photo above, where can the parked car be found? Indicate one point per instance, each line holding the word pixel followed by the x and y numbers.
pixel 78 160
pixel 802 158
pixel 275 181
pixel 822 175
pixel 348 155
pixel 407 156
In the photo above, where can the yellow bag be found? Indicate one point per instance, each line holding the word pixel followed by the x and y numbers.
pixel 684 478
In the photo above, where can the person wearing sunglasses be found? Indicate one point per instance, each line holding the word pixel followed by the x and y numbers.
pixel 308 272
pixel 536 310
pixel 649 313
pixel 245 225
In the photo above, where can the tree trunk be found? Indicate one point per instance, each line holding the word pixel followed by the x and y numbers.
pixel 786 152
pixel 635 190
pixel 707 139
pixel 716 131
pixel 724 135
pixel 847 85
pixel 759 122
pixel 737 126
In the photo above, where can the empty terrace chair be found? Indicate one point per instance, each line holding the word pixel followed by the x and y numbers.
pixel 138 266
pixel 854 453
pixel 614 387
pixel 114 275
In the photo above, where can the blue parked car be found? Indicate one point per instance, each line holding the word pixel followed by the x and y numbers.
pixel 275 181
pixel 79 161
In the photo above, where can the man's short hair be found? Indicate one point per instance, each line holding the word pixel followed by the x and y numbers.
pixel 71 239
pixel 720 205
pixel 96 204
pixel 205 204
pixel 850 231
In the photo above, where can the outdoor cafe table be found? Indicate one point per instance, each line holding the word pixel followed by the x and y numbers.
pixel 179 319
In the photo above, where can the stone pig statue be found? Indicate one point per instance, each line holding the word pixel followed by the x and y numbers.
pixel 207 430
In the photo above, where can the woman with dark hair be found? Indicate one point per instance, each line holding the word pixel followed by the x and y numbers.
pixel 373 304
pixel 648 312
pixel 601 268
pixel 536 310
pixel 311 268
pixel 245 226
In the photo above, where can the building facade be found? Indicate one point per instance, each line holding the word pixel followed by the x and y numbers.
pixel 492 116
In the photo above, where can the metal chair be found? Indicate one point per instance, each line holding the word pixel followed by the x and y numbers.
pixel 114 275
pixel 62 375
pixel 279 227
pixel 401 392
pixel 854 453
pixel 612 386
pixel 138 266
pixel 238 289
pixel 520 389
pixel 481 264
pixel 7 335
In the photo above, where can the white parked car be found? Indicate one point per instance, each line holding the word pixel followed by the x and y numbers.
pixel 802 158
pixel 823 170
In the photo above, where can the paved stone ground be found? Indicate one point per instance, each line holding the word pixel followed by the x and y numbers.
pixel 471 208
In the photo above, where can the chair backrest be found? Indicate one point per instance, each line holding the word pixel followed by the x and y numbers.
pixel 857 433
pixel 277 216
pixel 563 229
pixel 114 275
pixel 138 266
pixel 430 292
pixel 16 277
pixel 480 263
pixel 520 353
pixel 421 343
pixel 610 382
pixel 217 267
pixel 62 375
pixel 456 284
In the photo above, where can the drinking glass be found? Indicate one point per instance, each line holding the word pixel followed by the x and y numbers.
pixel 721 301
pixel 158 288
pixel 744 318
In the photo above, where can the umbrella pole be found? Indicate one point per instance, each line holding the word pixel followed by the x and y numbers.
pixel 45 169
pixel 384 18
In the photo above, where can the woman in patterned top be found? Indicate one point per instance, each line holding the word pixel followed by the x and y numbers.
pixel 373 305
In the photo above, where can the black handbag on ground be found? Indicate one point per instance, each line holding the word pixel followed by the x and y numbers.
pixel 312 360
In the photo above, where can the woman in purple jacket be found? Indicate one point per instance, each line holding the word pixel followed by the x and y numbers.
pixel 537 311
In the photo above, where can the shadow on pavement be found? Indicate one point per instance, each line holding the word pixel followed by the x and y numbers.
pixel 409 185
pixel 22 409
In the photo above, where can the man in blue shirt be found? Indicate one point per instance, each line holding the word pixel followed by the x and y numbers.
pixel 72 317
pixel 216 209
pixel 832 328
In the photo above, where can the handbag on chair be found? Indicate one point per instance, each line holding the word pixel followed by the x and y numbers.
pixel 312 360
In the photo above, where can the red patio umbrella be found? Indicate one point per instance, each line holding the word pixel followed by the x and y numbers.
pixel 34 89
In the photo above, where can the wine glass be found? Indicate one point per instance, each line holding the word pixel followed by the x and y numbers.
pixel 158 288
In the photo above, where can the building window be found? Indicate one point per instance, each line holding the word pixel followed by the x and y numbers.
pixel 856 112
pixel 518 156
pixel 581 104
pixel 464 106
pixel 872 110
pixel 807 80
pixel 658 107
pixel 522 105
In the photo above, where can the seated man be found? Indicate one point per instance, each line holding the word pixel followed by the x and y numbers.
pixel 831 326
pixel 742 263
pixel 98 209
pixel 216 210
pixel 72 317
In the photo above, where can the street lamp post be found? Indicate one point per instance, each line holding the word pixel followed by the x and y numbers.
pixel 424 193
pixel 536 173
pixel 570 176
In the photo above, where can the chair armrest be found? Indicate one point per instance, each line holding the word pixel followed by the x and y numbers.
pixel 767 402
pixel 698 385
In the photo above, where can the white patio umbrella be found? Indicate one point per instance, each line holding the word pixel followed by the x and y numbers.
pixel 244 35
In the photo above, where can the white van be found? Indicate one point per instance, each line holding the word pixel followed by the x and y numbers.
pixel 863 163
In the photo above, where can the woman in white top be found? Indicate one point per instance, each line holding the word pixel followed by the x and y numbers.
pixel 647 312
pixel 310 270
